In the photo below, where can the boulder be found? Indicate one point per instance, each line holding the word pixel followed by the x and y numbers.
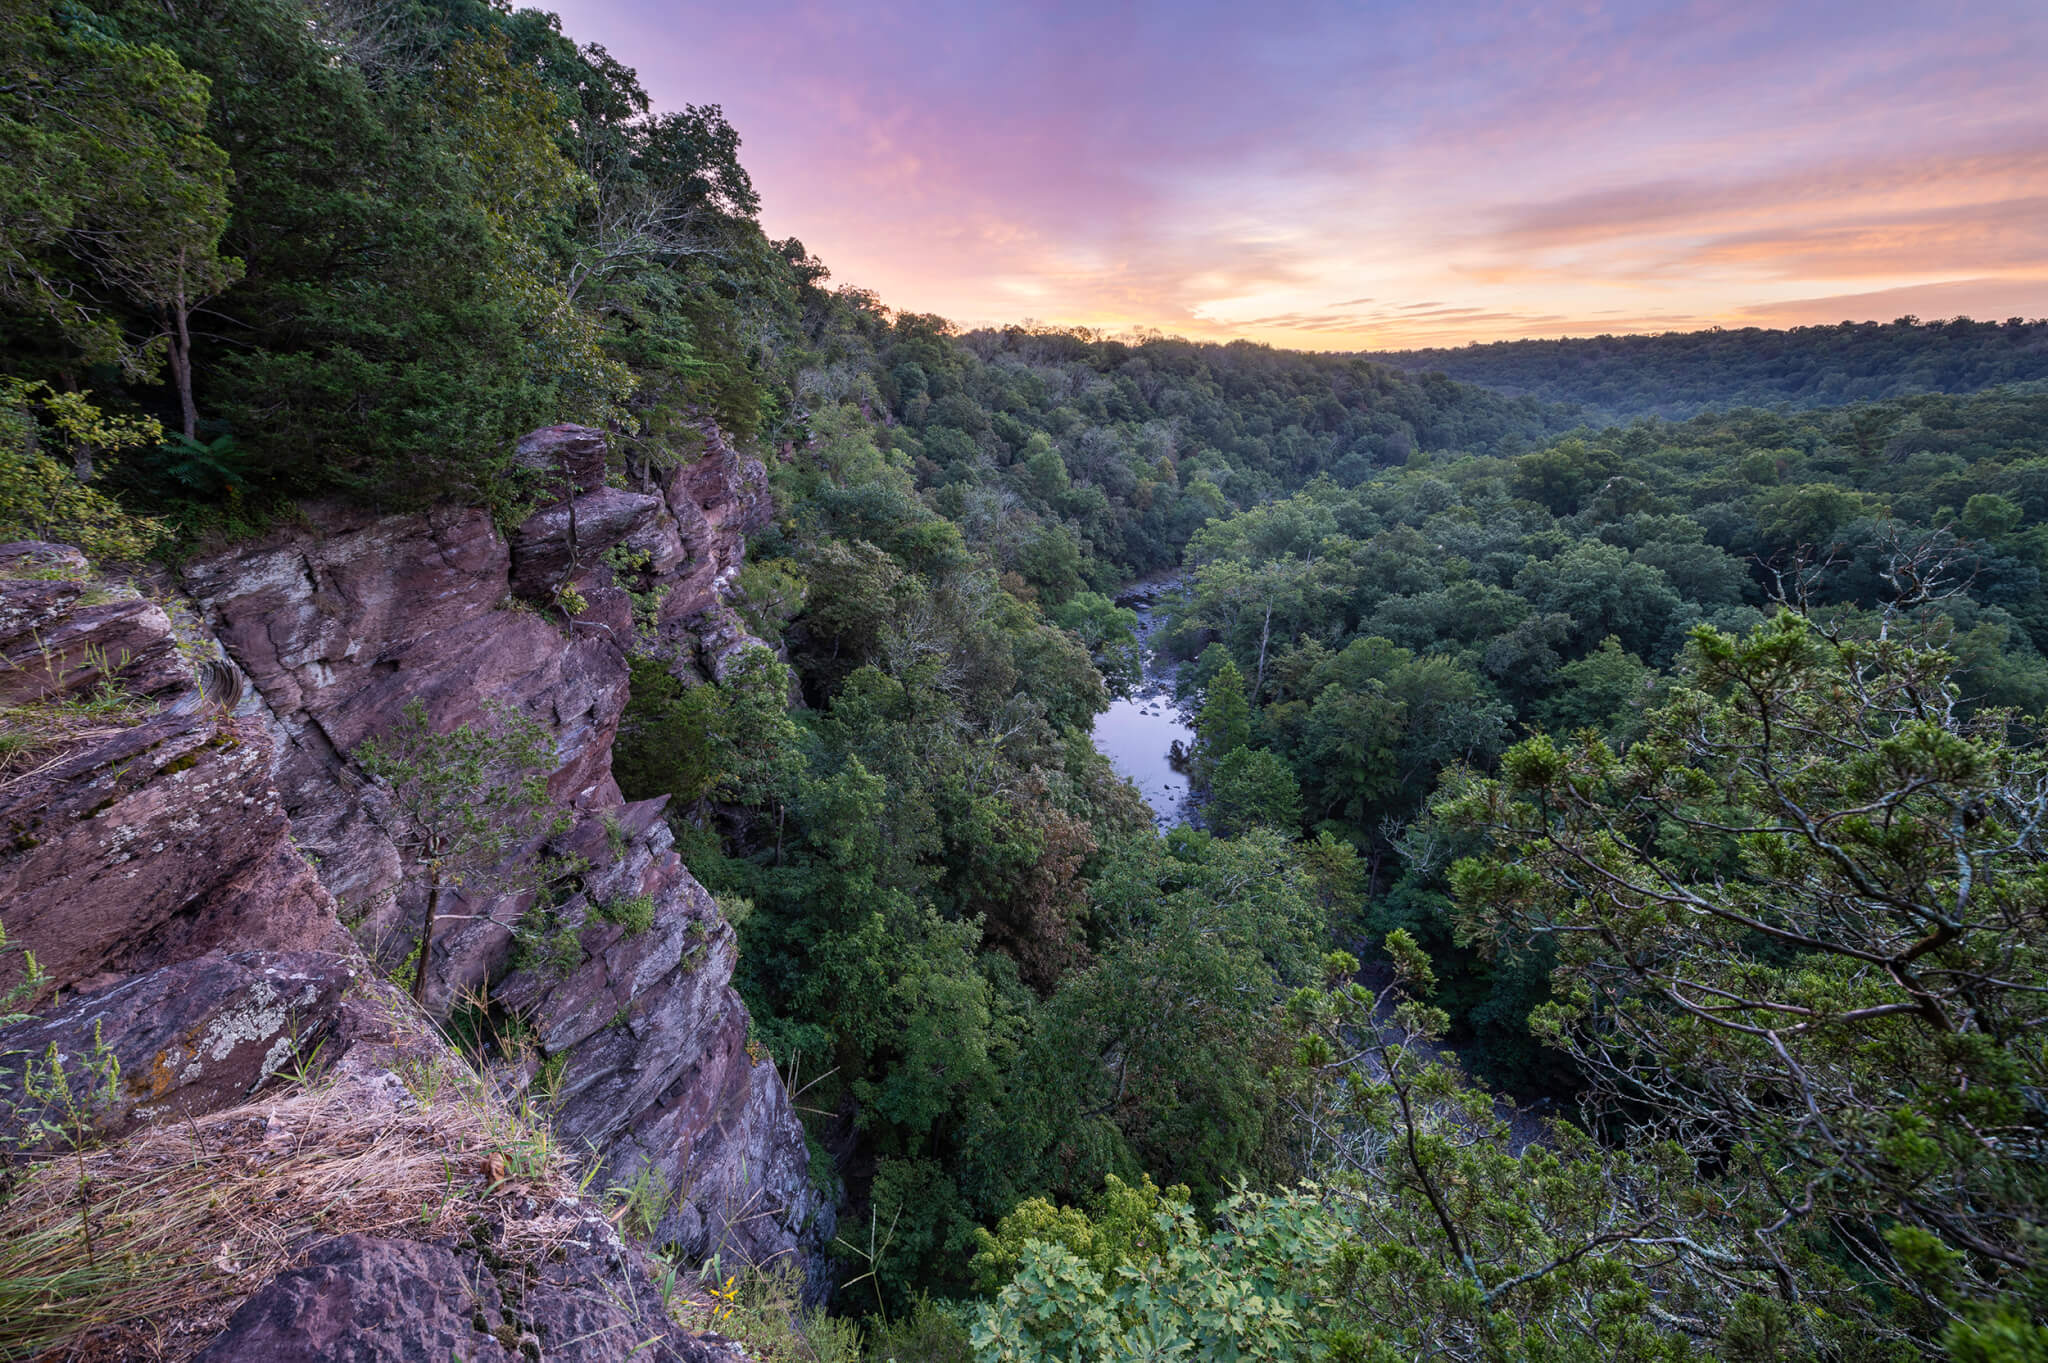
pixel 368 1300
pixel 40 556
pixel 62 637
pixel 146 829
pixel 364 1299
pixel 558 543
pixel 568 459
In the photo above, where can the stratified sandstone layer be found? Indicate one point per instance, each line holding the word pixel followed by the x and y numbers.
pixel 184 869
pixel 339 626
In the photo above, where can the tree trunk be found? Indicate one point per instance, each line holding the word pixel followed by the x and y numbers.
pixel 81 453
pixel 1265 637
pixel 181 364
pixel 419 974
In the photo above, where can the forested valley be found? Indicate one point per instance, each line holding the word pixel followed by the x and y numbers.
pixel 1639 743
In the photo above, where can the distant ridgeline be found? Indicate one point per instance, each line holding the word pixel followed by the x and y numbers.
pixel 1678 373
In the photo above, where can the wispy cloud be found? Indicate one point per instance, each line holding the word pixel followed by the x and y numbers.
pixel 1450 170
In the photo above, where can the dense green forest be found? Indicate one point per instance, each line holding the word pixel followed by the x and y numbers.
pixel 1386 632
pixel 1681 373
pixel 1679 774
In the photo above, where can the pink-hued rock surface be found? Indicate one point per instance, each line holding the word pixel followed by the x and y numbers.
pixel 373 1300
pixel 145 832
pixel 190 1038
pixel 214 834
pixel 340 626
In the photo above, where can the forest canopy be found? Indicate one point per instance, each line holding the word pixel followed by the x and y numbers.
pixel 1679 374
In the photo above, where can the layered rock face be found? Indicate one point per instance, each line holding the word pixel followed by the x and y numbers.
pixel 190 1038
pixel 338 629
pixel 184 862
pixel 146 829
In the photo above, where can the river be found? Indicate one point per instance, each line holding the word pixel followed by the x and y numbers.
pixel 1137 731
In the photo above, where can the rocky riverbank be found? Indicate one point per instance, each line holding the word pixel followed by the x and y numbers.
pixel 1140 731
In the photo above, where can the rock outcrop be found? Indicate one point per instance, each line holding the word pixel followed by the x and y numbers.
pixel 659 1072
pixel 373 1300
pixel 139 824
pixel 190 1038
pixel 339 627
pixel 188 833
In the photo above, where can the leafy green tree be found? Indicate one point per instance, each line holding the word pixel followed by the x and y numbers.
pixel 1257 605
pixel 40 498
pixel 770 595
pixel 1051 562
pixel 470 802
pixel 1044 471
pixel 1451 716
pixel 1170 1035
pixel 370 343
pixel 731 741
pixel 1563 476
pixel 1109 633
pixel 1225 722
pixel 1992 515
pixel 1596 691
pixel 112 196
pixel 1349 753
pixel 1424 1233
pixel 504 119
pixel 1120 1227
pixel 1241 1293
pixel 856 590
pixel 1792 936
pixel 1605 591
pixel 1701 573
pixel 1810 517
pixel 1253 788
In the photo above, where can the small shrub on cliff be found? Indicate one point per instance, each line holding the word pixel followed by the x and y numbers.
pixel 635 915
pixel 729 742
pixel 30 732
pixel 473 797
pixel 763 1309
pixel 640 1205
pixel 22 990
pixel 543 940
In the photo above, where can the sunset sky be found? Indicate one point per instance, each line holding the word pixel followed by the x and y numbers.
pixel 1369 175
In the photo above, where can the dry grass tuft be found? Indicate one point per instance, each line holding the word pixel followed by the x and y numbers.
pixel 142 1250
pixel 36 736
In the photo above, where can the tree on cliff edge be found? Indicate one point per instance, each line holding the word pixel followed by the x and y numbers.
pixel 473 798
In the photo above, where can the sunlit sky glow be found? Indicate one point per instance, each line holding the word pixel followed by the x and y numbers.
pixel 1373 175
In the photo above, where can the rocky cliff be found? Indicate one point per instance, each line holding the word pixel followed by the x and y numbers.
pixel 187 857
pixel 139 819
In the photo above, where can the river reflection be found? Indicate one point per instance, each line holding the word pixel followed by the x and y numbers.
pixel 1136 732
